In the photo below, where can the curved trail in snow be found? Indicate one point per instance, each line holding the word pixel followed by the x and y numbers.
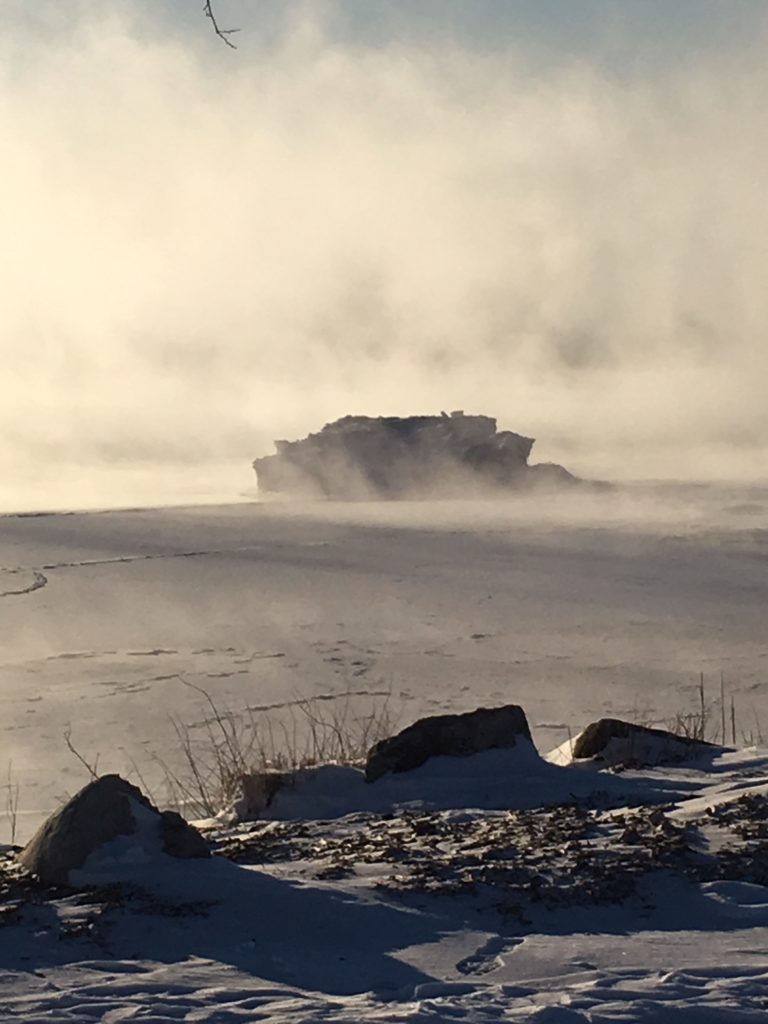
pixel 40 580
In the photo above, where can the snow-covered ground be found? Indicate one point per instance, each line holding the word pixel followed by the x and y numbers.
pixel 635 897
pixel 608 604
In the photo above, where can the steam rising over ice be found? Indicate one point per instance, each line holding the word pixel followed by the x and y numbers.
pixel 204 253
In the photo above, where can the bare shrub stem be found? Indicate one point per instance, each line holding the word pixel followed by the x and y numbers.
pixel 228 746
pixel 92 769
pixel 12 794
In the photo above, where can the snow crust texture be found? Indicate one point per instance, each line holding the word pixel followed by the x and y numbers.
pixel 610 907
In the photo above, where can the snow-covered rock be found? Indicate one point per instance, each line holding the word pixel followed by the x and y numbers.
pixel 611 742
pixel 256 792
pixel 106 809
pixel 447 736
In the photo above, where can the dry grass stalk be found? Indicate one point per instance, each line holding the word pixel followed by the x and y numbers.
pixel 92 767
pixel 707 725
pixel 227 745
pixel 12 795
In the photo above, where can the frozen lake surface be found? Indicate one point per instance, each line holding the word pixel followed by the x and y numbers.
pixel 575 608
pixel 653 907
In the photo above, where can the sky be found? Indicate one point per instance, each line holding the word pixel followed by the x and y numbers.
pixel 647 31
pixel 549 211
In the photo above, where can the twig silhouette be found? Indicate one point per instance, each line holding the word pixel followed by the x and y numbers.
pixel 222 33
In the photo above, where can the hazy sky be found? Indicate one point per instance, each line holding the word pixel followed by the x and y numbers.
pixel 547 210
pixel 615 31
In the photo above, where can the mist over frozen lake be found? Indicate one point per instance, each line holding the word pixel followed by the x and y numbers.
pixel 574 607
pixel 542 212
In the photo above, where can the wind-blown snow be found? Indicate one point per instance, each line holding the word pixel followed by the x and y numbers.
pixel 575 612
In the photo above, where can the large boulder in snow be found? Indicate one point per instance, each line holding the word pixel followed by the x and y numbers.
pixel 359 457
pixel 106 808
pixel 612 741
pixel 448 735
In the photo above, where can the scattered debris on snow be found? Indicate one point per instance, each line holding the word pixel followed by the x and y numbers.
pixel 586 911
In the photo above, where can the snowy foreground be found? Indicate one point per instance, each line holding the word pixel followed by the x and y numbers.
pixel 497 887
pixel 456 892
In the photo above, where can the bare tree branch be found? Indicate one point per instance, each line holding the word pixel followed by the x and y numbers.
pixel 222 33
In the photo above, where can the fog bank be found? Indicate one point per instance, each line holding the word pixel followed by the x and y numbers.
pixel 204 253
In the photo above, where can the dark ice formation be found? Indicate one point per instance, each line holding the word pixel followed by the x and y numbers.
pixel 360 457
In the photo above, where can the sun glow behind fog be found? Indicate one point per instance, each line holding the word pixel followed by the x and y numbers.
pixel 204 255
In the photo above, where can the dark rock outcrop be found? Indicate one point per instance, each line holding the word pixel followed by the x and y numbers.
pixel 361 457
pixel 180 839
pixel 447 735
pixel 102 811
pixel 613 741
